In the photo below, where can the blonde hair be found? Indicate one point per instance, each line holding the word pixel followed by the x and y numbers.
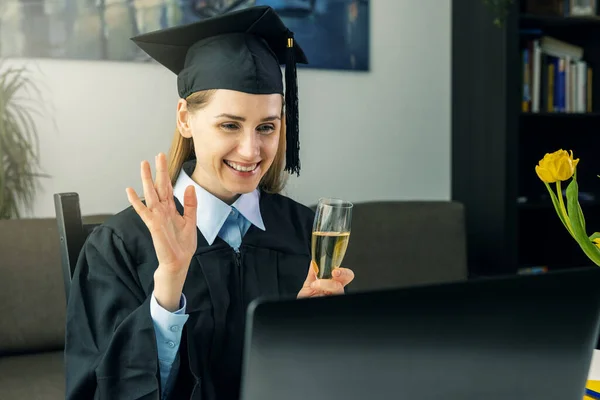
pixel 182 149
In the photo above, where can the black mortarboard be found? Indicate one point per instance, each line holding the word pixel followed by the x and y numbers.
pixel 240 50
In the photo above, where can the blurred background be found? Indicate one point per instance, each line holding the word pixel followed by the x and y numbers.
pixel 374 103
pixel 335 33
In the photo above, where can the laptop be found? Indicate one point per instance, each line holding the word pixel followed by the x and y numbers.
pixel 517 338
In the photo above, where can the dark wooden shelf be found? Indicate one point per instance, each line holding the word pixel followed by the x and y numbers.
pixel 490 133
pixel 549 206
pixel 547 21
pixel 547 115
pixel 535 206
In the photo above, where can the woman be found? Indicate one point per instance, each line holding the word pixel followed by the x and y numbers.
pixel 158 298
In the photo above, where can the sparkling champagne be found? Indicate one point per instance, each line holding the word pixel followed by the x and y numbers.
pixel 328 250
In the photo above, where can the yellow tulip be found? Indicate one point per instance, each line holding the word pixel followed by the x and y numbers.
pixel 557 166
pixel 544 174
pixel 596 242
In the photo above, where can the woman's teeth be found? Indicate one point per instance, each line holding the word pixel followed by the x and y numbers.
pixel 241 168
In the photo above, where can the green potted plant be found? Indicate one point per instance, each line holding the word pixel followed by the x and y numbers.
pixel 19 147
pixel 500 8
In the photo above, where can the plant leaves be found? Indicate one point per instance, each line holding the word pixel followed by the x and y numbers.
pixel 577 223
pixel 19 144
pixel 579 210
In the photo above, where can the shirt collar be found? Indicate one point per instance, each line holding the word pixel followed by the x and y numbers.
pixel 212 212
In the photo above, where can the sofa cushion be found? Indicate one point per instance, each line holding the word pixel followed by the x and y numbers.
pixel 405 243
pixel 32 377
pixel 32 299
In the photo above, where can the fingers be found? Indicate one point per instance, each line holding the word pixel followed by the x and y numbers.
pixel 190 204
pixel 327 286
pixel 343 275
pixel 137 204
pixel 314 287
pixel 148 185
pixel 312 274
pixel 163 183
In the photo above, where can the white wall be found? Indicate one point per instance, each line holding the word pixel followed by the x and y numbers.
pixel 384 134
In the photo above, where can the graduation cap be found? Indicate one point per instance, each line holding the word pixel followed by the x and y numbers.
pixel 240 50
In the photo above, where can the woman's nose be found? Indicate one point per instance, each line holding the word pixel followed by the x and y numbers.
pixel 249 145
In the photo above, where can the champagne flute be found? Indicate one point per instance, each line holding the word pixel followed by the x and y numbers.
pixel 330 236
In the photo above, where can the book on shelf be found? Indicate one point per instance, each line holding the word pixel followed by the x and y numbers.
pixel 556 77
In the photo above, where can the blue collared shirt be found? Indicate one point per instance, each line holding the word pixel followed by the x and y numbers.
pixel 213 218
pixel 213 213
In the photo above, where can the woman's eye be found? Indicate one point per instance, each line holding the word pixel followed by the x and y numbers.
pixel 266 129
pixel 229 127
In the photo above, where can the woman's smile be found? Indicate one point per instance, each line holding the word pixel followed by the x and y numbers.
pixel 243 169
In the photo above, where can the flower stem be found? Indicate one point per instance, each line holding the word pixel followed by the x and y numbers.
pixel 563 209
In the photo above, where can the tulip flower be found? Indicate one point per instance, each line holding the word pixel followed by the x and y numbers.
pixel 558 167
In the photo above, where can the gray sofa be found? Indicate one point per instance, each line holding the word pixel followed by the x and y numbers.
pixel 392 244
pixel 32 306
pixel 32 309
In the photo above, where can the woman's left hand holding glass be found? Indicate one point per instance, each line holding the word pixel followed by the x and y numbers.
pixel 314 287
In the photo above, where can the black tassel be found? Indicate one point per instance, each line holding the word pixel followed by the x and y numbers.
pixel 292 154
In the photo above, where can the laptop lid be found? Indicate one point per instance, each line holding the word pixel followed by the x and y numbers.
pixel 518 338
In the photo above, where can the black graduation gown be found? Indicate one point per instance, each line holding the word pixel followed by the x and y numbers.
pixel 111 350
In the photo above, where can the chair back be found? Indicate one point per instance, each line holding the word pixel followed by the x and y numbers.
pixel 405 243
pixel 72 231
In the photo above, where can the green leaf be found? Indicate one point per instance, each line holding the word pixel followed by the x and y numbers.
pixel 20 101
pixel 596 235
pixel 578 225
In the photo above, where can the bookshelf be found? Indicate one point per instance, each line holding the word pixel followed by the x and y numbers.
pixel 533 21
pixel 496 143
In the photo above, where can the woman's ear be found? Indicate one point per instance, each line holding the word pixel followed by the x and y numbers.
pixel 183 119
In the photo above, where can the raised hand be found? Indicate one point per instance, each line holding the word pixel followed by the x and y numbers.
pixel 314 287
pixel 173 235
